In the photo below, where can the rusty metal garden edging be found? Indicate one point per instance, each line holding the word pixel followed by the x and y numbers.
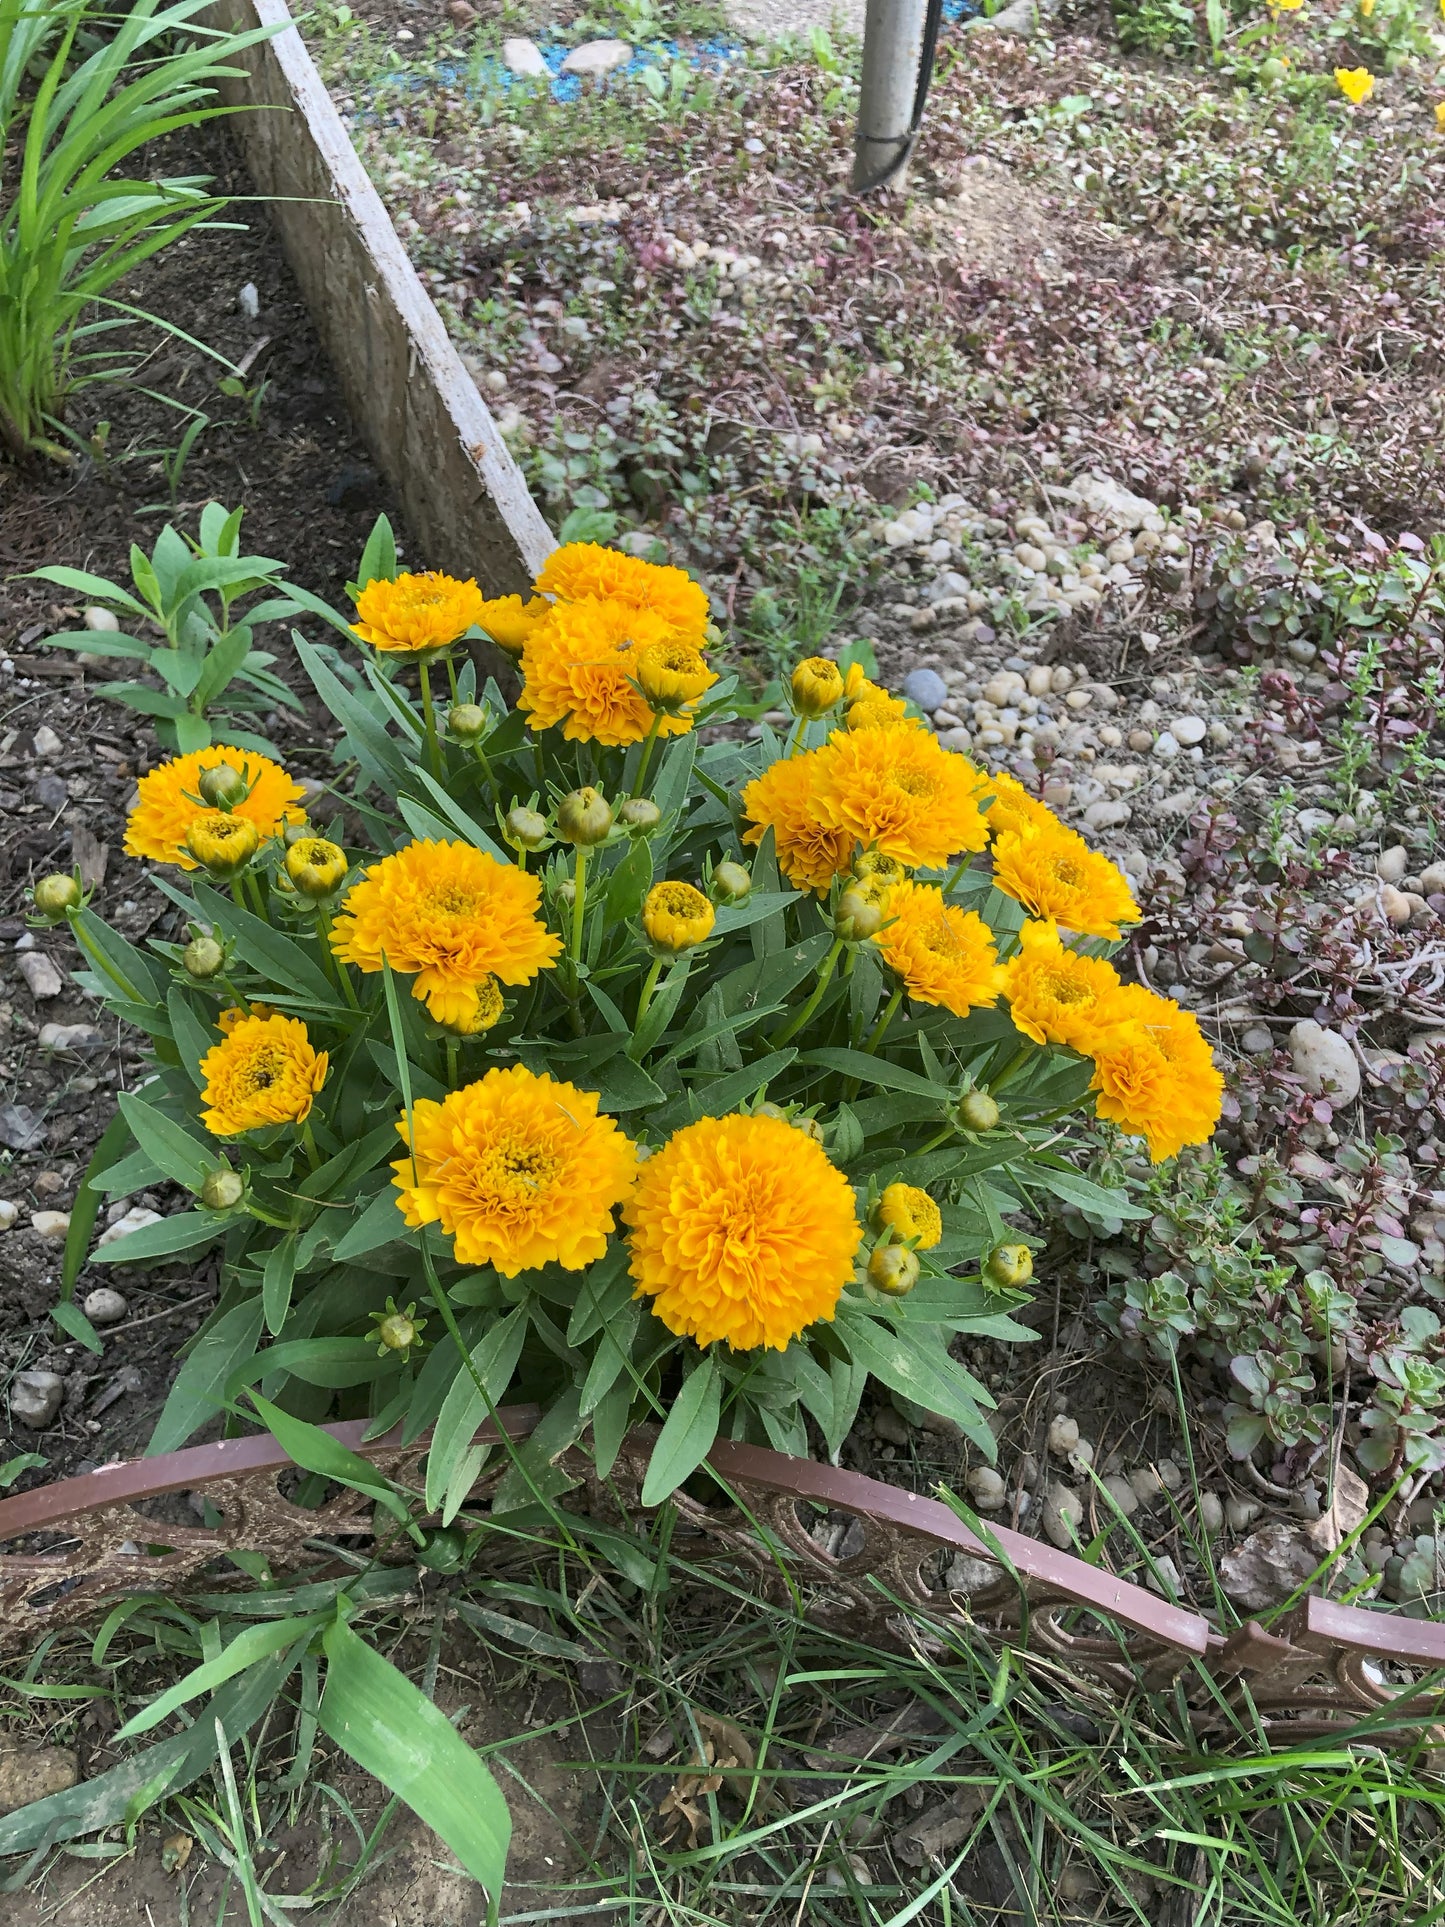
pixel 1324 1668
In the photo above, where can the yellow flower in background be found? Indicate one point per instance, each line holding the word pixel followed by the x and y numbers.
pixel 941 954
pixel 1154 1074
pixel 900 792
pixel 817 686
pixel 741 1231
pixel 673 676
pixel 1355 83
pixel 453 917
pixel 1013 808
pixel 1367 7
pixel 1288 6
pixel 912 1214
pixel 874 708
pixel 810 851
pixel 1056 996
pixel 264 1071
pixel 518 1170
pixel 489 1009
pixel 579 670
pixel 585 570
pixel 168 802
pixel 1440 104
pixel 677 917
pixel 1054 874
pixel 414 613
pixel 508 621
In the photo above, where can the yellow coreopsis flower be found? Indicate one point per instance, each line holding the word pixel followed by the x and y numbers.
pixel 1054 874
pixel 900 792
pixel 1154 1074
pixel 585 571
pixel 416 613
pixel 912 1214
pixel 1013 808
pixel 508 621
pixel 221 842
pixel 677 917
pixel 1289 6
pixel 316 866
pixel 1367 7
pixel 518 1170
pixel 264 1071
pixel 1355 83
pixel 873 708
pixel 168 801
pixel 741 1231
pixel 673 676
pixel 454 917
pixel 579 670
pixel 1440 104
pixel 810 851
pixel 940 954
pixel 817 686
pixel 1055 996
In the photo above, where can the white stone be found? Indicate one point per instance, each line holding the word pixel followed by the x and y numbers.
pixel 1170 1475
pixel 1165 1579
pixel 1189 730
pixel 41 974
pixel 986 1488
pixel 1433 879
pixel 1145 1484
pixel 47 743
pixel 248 300
pixel 597 57
pixel 1211 1514
pixel 1107 815
pixel 135 1219
pixel 1391 866
pixel 51 1225
pixel 76 1037
pixel 1122 1493
pixel 1166 746
pixel 896 536
pixel 968 1575
pixel 1062 1515
pixel 1326 1063
pixel 101 622
pixel 1111 502
pixel 35 1398
pixel 1063 1435
pixel 9 1214
pixel 104 1306
pixel 1004 688
pixel 523 57
pixel 1257 1041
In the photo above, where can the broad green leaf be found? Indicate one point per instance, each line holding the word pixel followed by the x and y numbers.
pixel 186 1231
pixel 378 558
pixel 73 1321
pixel 755 908
pixel 193 1037
pixel 379 1224
pixel 494 1361
pixel 916 1363
pixel 315 1450
pixel 630 882
pixel 876 1071
pixel 123 967
pixel 394 1732
pixel 200 1387
pixel 336 1362
pixel 183 1158
pixel 534 1472
pixel 276 1282
pixel 1062 1182
pixel 83 1213
pixel 239 1652
pixel 688 1432
pixel 279 958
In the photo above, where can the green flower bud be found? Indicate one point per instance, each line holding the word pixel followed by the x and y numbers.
pixel 203 958
pixel 861 913
pixel 977 1111
pixel 223 787
pixel 567 893
pixel 54 895
pixel 585 817
pixel 1009 1266
pixel 639 814
pixel 731 883
pixel 223 1190
pixel 467 721
pixel 526 829
pixel 893 1270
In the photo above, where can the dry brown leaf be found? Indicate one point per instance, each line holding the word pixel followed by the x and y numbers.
pixel 1348 1507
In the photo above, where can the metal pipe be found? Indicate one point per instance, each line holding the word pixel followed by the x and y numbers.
pixel 893 40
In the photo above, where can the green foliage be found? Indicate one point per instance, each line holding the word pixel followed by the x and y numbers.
pixel 188 590
pixel 83 92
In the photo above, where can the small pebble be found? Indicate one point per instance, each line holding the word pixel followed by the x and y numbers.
pixel 248 301
pixel 1240 1514
pixel 926 688
pixel 1165 1580
pixel 1257 1042
pixel 890 1426
pixel 41 975
pixel 1123 1494
pixel 9 1214
pixel 51 1225
pixel 1392 864
pixel 986 1488
pixel 1188 730
pixel 101 621
pixel 1145 1484
pixel 1062 1515
pixel 1141 740
pixel 104 1306
pixel 1170 1475
pixel 47 743
pixel 35 1398
pixel 1063 1435
pixel 1211 1513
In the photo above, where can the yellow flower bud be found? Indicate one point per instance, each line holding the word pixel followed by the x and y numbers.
pixel 882 871
pixel 467 721
pixel 203 958
pixel 893 1269
pixel 487 1009
pixel 223 1189
pixel 223 787
pixel 731 883
pixel 672 676
pixel 584 816
pixel 862 912
pixel 677 917
pixel 911 1215
pixel 809 1126
pixel 1009 1266
pixel 316 867
pixel 221 843
pixel 526 829
pixel 817 686
pixel 56 894
pixel 977 1111
pixel 639 814
pixel 397 1330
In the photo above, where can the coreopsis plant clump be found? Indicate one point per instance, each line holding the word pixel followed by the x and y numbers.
pixel 575 1049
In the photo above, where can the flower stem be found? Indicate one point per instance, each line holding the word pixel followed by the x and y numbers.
pixel 308 1138
pixel 429 715
pixel 329 956
pixel 579 907
pixel 1011 1069
pixel 106 969
pixel 649 984
pixel 890 1011
pixel 800 730
pixel 452 1052
pixel 451 676
pixel 254 884
pixel 825 974
pixel 647 748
